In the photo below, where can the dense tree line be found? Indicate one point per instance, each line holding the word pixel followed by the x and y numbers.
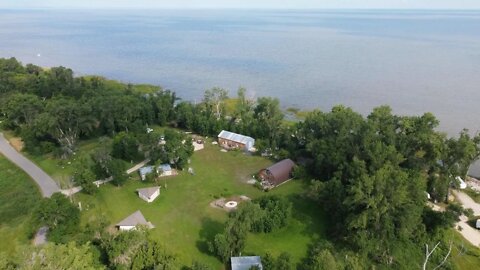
pixel 374 173
pixel 51 109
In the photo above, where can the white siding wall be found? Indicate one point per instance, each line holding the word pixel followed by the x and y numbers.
pixel 126 228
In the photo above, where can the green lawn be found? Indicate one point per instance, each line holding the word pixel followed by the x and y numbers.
pixel 18 196
pixel 61 170
pixel 306 225
pixel 464 255
pixel 184 220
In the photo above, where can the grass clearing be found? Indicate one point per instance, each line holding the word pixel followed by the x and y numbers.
pixel 61 170
pixel 183 218
pixel 18 196
pixel 306 226
pixel 464 255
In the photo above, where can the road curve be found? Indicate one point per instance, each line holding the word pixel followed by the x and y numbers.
pixel 43 180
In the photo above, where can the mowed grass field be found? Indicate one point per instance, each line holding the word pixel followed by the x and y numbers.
pixel 18 197
pixel 185 221
pixel 464 255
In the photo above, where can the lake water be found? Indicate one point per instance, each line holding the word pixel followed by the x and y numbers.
pixel 414 61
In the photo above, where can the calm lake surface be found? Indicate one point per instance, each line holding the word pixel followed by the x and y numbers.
pixel 414 61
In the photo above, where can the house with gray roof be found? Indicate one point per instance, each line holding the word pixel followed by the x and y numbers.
pixel 149 194
pixel 230 140
pixel 134 220
pixel 246 262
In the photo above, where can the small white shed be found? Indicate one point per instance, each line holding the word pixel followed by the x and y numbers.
pixel 165 169
pixel 245 263
pixel 144 171
pixel 149 194
pixel 132 221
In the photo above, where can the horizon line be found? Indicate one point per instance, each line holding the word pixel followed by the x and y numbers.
pixel 244 8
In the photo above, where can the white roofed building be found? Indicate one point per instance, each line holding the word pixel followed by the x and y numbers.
pixel 230 140
pixel 165 170
pixel 246 262
pixel 132 221
pixel 149 194
pixel 144 171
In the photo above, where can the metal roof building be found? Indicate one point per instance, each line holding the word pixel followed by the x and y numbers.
pixel 246 141
pixel 245 263
pixel 279 172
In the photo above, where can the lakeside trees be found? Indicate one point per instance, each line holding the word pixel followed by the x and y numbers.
pixel 374 173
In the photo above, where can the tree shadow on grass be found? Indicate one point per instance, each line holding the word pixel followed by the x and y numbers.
pixel 208 231
pixel 309 213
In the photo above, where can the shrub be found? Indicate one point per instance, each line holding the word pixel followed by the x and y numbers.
pixel 276 213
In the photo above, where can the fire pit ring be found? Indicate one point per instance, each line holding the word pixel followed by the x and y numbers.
pixel 231 204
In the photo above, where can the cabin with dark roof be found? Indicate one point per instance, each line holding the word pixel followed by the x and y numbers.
pixel 277 174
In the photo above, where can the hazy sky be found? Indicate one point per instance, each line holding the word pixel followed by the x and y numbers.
pixel 413 4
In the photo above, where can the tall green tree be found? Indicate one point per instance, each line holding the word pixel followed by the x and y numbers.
pixel 22 108
pixel 60 216
pixel 136 250
pixel 59 256
pixel 269 118
pixel 214 100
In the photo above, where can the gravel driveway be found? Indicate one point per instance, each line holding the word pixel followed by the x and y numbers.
pixel 467 202
pixel 469 233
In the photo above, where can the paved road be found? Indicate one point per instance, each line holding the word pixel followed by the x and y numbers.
pixel 43 180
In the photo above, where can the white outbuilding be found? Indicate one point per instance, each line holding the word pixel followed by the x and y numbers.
pixel 245 263
pixel 462 183
pixel 132 221
pixel 164 170
pixel 149 194
pixel 144 171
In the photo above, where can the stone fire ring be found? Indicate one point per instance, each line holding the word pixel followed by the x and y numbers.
pixel 231 204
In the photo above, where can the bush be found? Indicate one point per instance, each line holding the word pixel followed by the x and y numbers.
pixel 47 147
pixel 59 215
pixel 276 213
